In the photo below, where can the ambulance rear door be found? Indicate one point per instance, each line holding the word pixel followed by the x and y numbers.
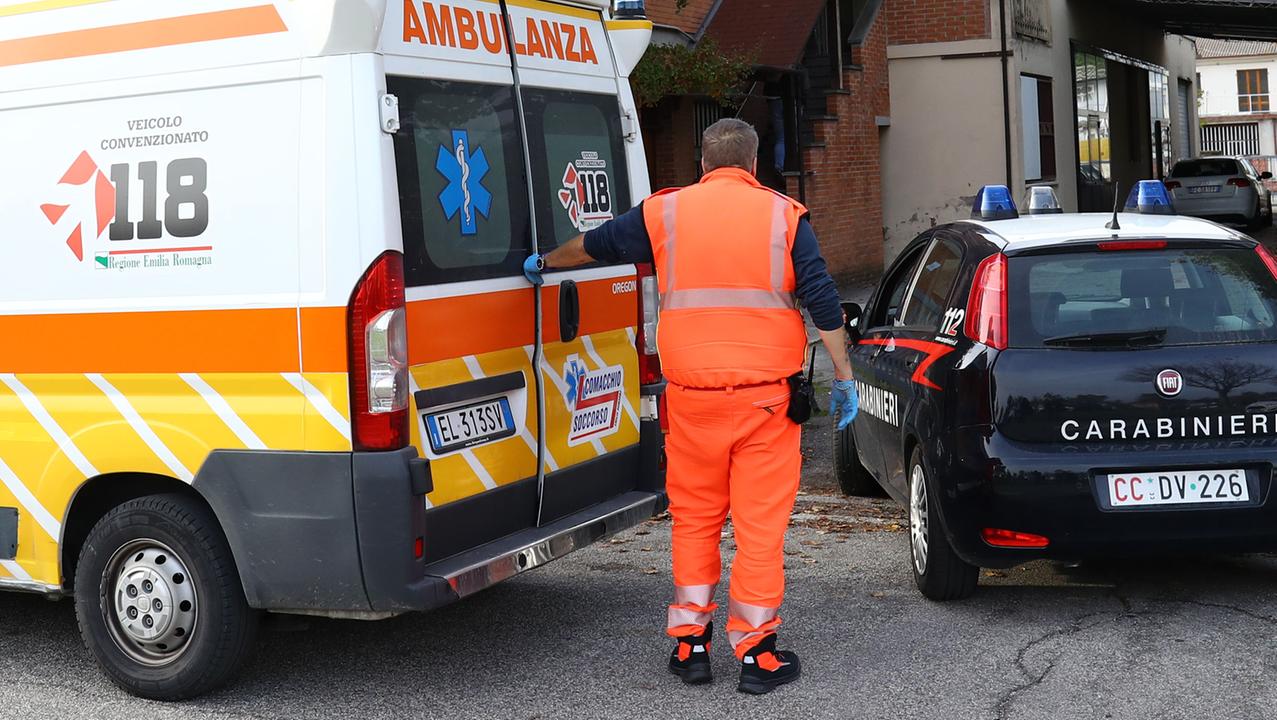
pixel 573 107
pixel 467 229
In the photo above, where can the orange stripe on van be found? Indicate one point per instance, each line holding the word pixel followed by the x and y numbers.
pixel 258 340
pixel 324 339
pixel 452 327
pixel 183 30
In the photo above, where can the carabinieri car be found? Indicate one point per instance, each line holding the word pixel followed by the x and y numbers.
pixel 1065 386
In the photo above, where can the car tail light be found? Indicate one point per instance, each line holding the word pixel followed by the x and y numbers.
pixel 378 341
pixel 1239 182
pixel 1012 539
pixel 1117 245
pixel 649 315
pixel 1173 185
pixel 1267 257
pixel 987 307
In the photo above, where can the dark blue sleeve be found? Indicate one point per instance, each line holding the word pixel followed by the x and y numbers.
pixel 621 240
pixel 816 288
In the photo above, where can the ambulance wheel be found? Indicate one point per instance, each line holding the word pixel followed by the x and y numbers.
pixel 937 570
pixel 159 600
pixel 853 478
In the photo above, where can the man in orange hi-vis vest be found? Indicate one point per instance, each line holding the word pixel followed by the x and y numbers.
pixel 732 259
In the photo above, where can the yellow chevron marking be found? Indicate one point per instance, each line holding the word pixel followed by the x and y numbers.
pixel 267 404
pixel 320 433
pixel 176 413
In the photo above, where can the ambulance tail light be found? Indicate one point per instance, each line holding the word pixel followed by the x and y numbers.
pixel 987 306
pixel 378 338
pixel 649 316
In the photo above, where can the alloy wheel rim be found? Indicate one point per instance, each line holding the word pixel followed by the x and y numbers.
pixel 150 604
pixel 919 537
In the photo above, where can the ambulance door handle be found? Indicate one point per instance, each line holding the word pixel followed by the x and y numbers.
pixel 569 311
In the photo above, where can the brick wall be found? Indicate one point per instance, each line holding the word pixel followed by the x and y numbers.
pixel 844 187
pixel 667 136
pixel 928 21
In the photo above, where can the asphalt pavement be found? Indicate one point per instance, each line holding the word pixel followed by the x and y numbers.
pixel 1180 637
pixel 582 638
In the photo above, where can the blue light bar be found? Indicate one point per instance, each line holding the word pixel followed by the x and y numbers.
pixel 630 10
pixel 1149 197
pixel 994 202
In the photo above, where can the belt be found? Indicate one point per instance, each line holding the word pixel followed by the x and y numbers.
pixel 734 388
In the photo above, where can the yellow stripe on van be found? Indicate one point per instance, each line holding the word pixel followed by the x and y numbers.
pixel 42 5
pixel 176 413
pixel 266 403
pixel 557 9
pixel 320 427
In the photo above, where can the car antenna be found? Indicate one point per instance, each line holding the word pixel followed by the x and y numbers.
pixel 1113 224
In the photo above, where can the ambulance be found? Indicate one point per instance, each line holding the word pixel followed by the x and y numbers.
pixel 265 344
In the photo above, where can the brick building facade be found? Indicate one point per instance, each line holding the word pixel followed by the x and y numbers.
pixel 825 62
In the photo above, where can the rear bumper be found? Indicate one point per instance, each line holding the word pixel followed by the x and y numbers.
pixel 334 533
pixel 1240 206
pixel 1052 492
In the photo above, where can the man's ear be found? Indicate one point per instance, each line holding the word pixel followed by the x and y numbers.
pixel 753 170
pixel 704 170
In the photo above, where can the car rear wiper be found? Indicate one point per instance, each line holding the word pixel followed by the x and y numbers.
pixel 1134 337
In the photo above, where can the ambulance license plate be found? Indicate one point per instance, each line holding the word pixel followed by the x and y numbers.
pixel 1200 189
pixel 468 426
pixel 1178 487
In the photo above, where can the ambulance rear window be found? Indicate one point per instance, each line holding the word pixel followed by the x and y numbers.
pixel 578 162
pixel 462 192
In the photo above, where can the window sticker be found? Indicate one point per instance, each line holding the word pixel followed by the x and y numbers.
pixel 464 168
pixel 587 192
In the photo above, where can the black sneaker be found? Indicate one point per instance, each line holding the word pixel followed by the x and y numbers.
pixel 764 668
pixel 690 659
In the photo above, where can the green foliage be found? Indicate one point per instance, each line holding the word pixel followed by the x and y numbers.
pixel 668 70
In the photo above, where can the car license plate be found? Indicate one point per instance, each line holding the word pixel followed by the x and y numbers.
pixel 1178 487
pixel 1200 189
pixel 468 426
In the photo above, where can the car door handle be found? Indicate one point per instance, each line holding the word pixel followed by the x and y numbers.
pixel 569 311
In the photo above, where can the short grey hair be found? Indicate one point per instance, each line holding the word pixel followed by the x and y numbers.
pixel 729 143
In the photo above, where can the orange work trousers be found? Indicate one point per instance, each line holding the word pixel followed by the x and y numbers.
pixel 730 449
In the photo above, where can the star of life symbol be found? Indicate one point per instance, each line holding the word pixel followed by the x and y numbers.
pixel 80 174
pixel 464 170
pixel 594 397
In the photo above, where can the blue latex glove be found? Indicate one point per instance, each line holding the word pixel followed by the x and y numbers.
pixel 532 269
pixel 844 402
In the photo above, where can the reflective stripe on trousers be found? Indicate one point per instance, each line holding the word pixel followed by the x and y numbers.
pixel 731 450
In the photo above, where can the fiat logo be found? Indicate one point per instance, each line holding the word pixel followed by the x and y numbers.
pixel 1170 383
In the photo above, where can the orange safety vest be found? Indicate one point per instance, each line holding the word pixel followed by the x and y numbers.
pixel 723 250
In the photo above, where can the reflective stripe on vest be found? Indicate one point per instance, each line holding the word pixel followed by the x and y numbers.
pixel 708 298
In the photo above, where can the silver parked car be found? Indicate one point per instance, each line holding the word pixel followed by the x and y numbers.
pixel 1223 189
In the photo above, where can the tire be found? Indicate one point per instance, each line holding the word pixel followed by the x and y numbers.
pixel 1259 220
pixel 937 570
pixel 165 549
pixel 853 478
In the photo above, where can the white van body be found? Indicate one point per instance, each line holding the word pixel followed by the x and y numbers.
pixel 264 261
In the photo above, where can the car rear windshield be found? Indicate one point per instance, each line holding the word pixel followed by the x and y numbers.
pixel 1161 297
pixel 1210 167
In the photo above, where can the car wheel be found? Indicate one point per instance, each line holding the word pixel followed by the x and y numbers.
pixel 853 478
pixel 938 571
pixel 1258 221
pixel 159 601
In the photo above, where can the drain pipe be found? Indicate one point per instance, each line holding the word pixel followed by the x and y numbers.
pixel 1006 88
